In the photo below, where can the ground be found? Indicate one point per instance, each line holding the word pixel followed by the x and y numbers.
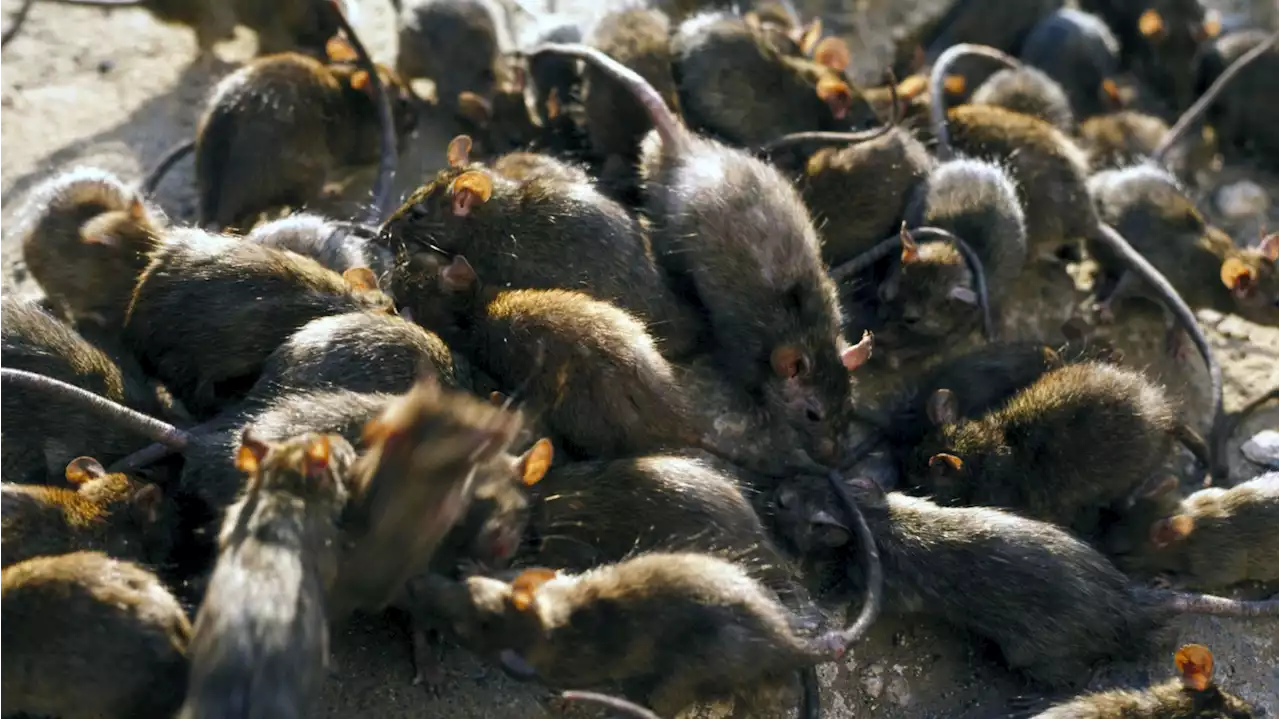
pixel 115 89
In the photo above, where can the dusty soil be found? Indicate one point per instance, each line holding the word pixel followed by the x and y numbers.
pixel 115 89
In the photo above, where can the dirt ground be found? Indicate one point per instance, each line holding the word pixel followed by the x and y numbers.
pixel 115 89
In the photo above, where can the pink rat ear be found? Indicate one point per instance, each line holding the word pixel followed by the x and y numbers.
pixel 458 275
pixel 942 408
pixel 1269 246
pixel 854 356
pixel 83 469
pixel 1167 531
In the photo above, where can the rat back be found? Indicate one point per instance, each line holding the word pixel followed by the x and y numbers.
pixel 1029 91
pixel 1244 115
pixel 1080 52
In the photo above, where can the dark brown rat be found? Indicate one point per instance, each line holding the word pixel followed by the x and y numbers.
pixel 86 239
pixel 261 638
pixel 209 309
pixel 454 43
pixel 1244 118
pixel 504 121
pixel 984 22
pixel 113 513
pixel 737 87
pixel 1194 694
pixel 411 485
pixel 106 639
pixel 252 158
pixel 539 232
pixel 1029 91
pixel 1081 54
pixel 1074 442
pixel 736 230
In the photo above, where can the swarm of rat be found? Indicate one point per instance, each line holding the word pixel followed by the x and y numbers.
pixel 600 401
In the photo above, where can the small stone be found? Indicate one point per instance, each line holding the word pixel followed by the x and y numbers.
pixel 1242 199
pixel 873 681
pixel 106 66
pixel 1263 449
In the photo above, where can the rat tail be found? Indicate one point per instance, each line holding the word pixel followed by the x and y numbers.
pixel 674 136
pixel 1108 236
pixel 18 18
pixel 618 704
pixel 148 426
pixel 166 163
pixel 938 80
pixel 1193 603
pixel 846 138
pixel 1194 443
pixel 871 568
pixel 810 694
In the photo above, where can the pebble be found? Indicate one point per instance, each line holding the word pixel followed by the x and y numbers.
pixel 1263 449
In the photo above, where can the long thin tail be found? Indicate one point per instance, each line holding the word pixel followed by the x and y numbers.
pixel 146 425
pixel 618 704
pixel 810 694
pixel 1194 443
pixel 937 82
pixel 871 564
pixel 170 158
pixel 1192 603
pixel 18 18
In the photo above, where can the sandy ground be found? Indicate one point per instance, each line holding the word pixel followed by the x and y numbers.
pixel 115 89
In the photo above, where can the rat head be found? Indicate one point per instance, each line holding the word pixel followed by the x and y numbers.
pixel 488 616
pixel 362 284
pixel 825 73
pixel 1148 536
pixel 1250 275
pixel 506 120
pixel 936 466
pixel 111 251
pixel 446 207
pixel 439 293
pixel 358 89
pixel 311 467
pixel 1194 663
pixel 495 522
pixel 1171 32
pixel 811 391
pixel 807 514
pixel 926 298
pixel 143 519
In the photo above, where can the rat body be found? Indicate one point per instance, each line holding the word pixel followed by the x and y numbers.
pixel 736 86
pixel 1029 91
pixel 86 240
pixel 737 232
pixel 340 246
pixel 1079 52
pixel 209 309
pixel 539 232
pixel 452 42
pixel 112 513
pixel 261 640
pixel 40 433
pixel 1120 139
pixel 251 158
pixel 1072 443
pixel 1244 118
pixel 89 636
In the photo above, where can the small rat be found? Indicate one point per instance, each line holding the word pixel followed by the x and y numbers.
pixel 106 639
pixel 734 85
pixel 1214 538
pixel 737 231
pixel 1053 604
pixel 209 309
pixel 251 158
pixel 452 42
pixel 543 231
pixel 1082 55
pixel 261 638
pixel 1073 442
pixel 1244 119
pixel 340 246
pixel 85 240
pixel 412 485
pixel 1194 694
pixel 113 513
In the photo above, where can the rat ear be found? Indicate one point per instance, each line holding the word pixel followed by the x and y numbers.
pixel 1212 26
pixel 942 408
pixel 1150 24
pixel 553 104
pixel 1195 664
pixel 360 81
pixel 1112 92
pixel 1052 359
pixel 910 250
pixel 535 463
pixel 337 49
pixel 808 36
pixel 458 275
pixel 789 362
pixel 497 399
pixel 1269 246
pixel 525 586
pixel 83 469
pixel 137 210
pixel 832 52
pixel 316 460
pixel 146 502
pixel 1167 531
pixel 1237 276
pixel 836 93
pixel 360 278
pixel 960 293
pixel 251 453
pixel 855 356
pixel 943 464
pixel 469 189
pixel 459 152
pixel 954 84
pixel 474 108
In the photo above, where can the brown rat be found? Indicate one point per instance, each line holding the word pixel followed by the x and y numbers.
pixel 1029 91
pixel 1074 442
pixel 261 639
pixel 112 513
pixel 86 239
pixel 452 42
pixel 1193 694
pixel 209 309
pixel 504 121
pixel 105 639
pixel 517 234
pixel 1081 54
pixel 741 237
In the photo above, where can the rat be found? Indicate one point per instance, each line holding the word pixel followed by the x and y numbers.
pixel 1120 139
pixel 1079 52
pixel 40 434
pixel 260 644
pixel 1214 538
pixel 338 245
pixel 358 351
pixel 1052 603
pixel 740 235
pixel 397 520
pixel 209 309
pixel 336 120
pixel 1016 87
pixel 112 513
pixel 1070 444
pixel 106 639
pixel 454 43
pixel 1245 118
pixel 86 238
pixel 539 232
pixel 734 85
pixel 979 22
pixel 1193 694
pixel 504 121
